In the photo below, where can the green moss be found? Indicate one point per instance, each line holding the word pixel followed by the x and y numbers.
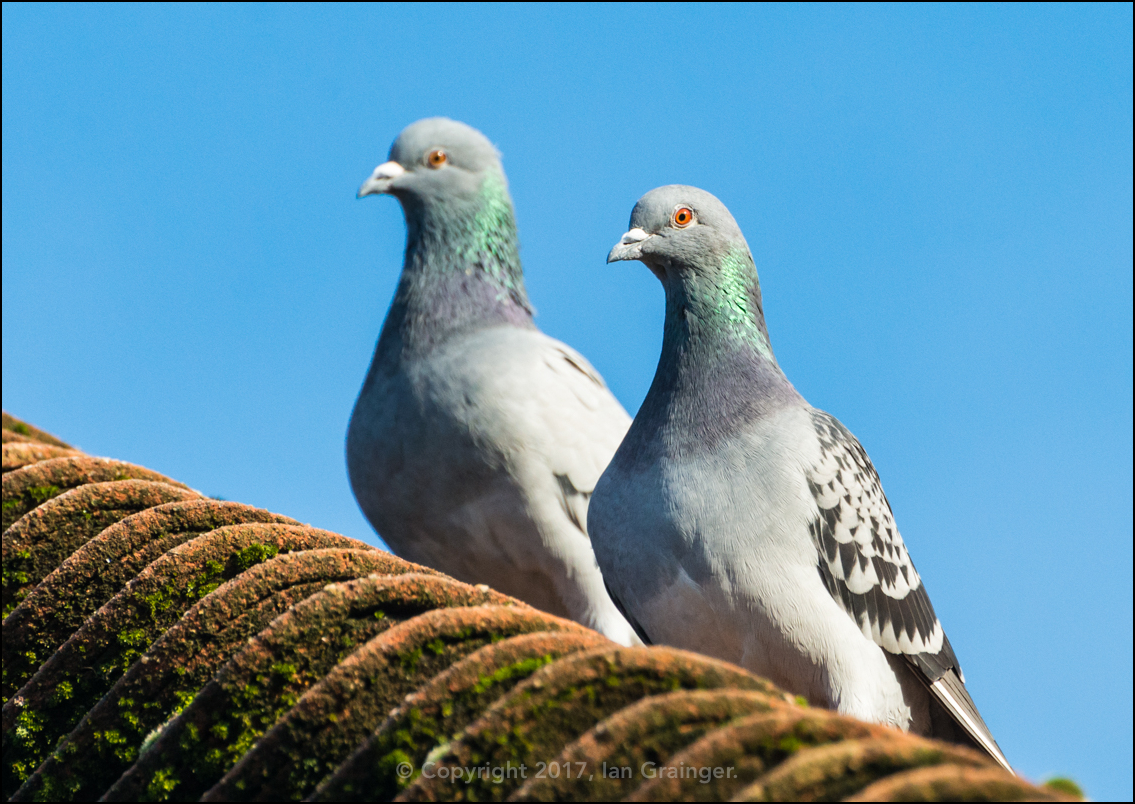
pixel 437 646
pixel 1062 784
pixel 516 670
pixel 29 724
pixel 41 494
pixel 28 731
pixel 285 670
pixel 205 582
pixel 789 744
pixel 62 692
pixel 55 790
pixel 80 684
pixel 254 700
pixel 162 785
pixel 409 660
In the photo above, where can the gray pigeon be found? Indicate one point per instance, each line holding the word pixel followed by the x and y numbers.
pixel 476 439
pixel 739 521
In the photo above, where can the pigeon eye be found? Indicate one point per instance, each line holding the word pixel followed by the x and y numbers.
pixel 682 217
pixel 436 158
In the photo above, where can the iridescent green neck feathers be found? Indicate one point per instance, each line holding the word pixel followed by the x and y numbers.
pixel 723 302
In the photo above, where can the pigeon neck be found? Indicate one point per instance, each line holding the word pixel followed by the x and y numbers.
pixel 719 310
pixel 716 371
pixel 461 271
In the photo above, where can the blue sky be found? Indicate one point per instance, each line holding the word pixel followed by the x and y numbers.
pixel 938 199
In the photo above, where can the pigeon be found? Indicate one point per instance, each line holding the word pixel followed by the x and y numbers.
pixel 738 521
pixel 476 440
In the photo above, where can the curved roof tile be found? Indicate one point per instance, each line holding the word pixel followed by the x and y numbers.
pixel 443 707
pixel 20 431
pixel 45 537
pixel 835 771
pixel 537 719
pixel 353 661
pixel 263 681
pixel 649 731
pixel 99 570
pixel 747 749
pixel 19 454
pixel 333 717
pixel 87 665
pixel 37 483
pixel 952 783
pixel 183 660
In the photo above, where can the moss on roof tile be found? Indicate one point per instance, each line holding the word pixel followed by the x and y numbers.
pixel 35 484
pixel 835 771
pixel 45 537
pixel 644 734
pixel 339 712
pixel 267 677
pixel 745 750
pixel 101 568
pixel 183 660
pixel 15 429
pixel 100 652
pixel 537 719
pixel 441 709
pixel 280 695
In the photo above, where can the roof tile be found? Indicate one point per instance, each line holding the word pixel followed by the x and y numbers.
pixel 342 677
pixel 100 569
pixel 45 537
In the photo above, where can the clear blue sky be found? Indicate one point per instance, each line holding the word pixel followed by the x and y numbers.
pixel 938 201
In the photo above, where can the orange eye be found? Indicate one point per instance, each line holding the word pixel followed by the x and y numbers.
pixel 682 217
pixel 436 158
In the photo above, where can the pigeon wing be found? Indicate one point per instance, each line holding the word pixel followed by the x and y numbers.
pixel 867 570
pixel 584 425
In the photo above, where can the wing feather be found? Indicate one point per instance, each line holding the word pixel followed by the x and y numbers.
pixel 862 557
pixel 867 570
pixel 584 425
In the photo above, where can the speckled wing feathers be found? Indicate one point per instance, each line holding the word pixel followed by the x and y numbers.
pixel 862 559
pixel 866 568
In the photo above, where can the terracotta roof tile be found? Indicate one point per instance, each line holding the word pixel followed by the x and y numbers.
pixel 749 748
pixel 840 769
pixel 309 742
pixel 101 568
pixel 953 783
pixel 649 731
pixel 88 664
pixel 37 483
pixel 305 663
pixel 18 454
pixel 266 678
pixel 538 718
pixel 443 707
pixel 19 431
pixel 184 659
pixel 45 537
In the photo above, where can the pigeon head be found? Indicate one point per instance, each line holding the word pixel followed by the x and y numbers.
pixel 677 229
pixel 693 245
pixel 462 263
pixel 436 161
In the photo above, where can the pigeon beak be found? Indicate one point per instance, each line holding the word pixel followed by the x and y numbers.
pixel 379 181
pixel 629 246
